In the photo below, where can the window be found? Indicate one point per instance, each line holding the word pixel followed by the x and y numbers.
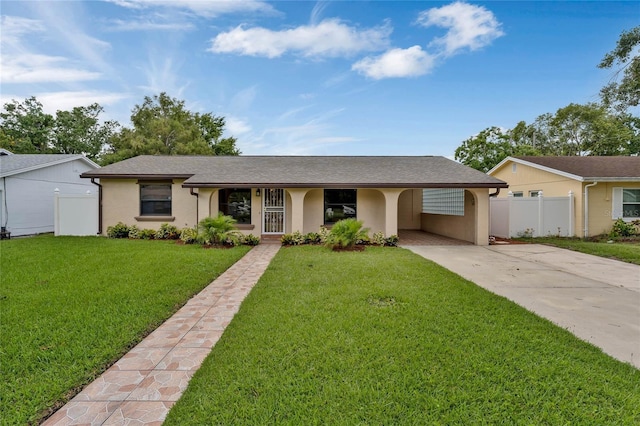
pixel 155 199
pixel 517 194
pixel 236 202
pixel 631 203
pixel 339 204
pixel 535 193
pixel 443 201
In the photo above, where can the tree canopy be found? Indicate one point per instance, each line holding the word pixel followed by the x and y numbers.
pixel 162 126
pixel 606 128
pixel 624 89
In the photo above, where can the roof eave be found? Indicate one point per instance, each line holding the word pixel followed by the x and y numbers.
pixel 135 176
pixel 343 185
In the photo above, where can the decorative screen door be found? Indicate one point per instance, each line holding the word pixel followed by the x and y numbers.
pixel 273 211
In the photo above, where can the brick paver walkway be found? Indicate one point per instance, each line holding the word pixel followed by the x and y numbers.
pixel 143 385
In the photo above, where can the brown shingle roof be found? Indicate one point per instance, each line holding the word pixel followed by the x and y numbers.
pixel 303 171
pixel 591 167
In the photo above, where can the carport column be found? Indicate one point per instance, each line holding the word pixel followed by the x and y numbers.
pixel 204 202
pixel 482 215
pixel 391 196
pixel 297 208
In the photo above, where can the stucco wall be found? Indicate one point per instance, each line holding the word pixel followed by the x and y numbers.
pixel 601 206
pixel 121 203
pixel 313 210
pixel 371 209
pixel 410 209
pixel 458 227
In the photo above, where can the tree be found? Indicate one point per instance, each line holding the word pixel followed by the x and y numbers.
pixel 623 92
pixel 79 131
pixel 25 128
pixel 492 145
pixel 162 126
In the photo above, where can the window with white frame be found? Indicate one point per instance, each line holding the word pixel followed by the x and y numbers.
pixel 626 203
pixel 517 194
pixel 534 193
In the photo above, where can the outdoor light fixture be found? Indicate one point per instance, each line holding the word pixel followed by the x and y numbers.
pixel 258 192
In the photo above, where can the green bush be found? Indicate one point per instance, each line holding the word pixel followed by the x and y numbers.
pixel 134 232
pixel 378 239
pixel 219 230
pixel 147 234
pixel 391 241
pixel 624 229
pixel 167 232
pixel 346 233
pixel 293 239
pixel 250 240
pixel 312 238
pixel 189 235
pixel 119 230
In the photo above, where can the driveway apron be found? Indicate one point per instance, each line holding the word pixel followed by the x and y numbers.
pixel 143 385
pixel 596 299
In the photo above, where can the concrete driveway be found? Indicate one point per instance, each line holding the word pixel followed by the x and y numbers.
pixel 596 299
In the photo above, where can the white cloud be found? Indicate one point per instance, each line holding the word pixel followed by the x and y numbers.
pixel 329 38
pixel 34 68
pixel 235 126
pixel 208 9
pixel 148 25
pixel 469 26
pixel 15 27
pixel 409 62
pixel 66 101
pixel 243 100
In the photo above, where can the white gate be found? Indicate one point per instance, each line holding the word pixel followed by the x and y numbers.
pixel 273 211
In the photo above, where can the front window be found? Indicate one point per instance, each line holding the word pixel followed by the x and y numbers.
pixel 236 202
pixel 631 203
pixel 534 193
pixel 155 199
pixel 339 204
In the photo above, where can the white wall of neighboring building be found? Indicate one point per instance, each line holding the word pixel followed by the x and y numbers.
pixel 28 198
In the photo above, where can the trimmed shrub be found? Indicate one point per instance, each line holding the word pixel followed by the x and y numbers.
pixel 312 238
pixel 391 241
pixel 134 232
pixel 189 235
pixel 167 232
pixel 250 240
pixel 119 230
pixel 147 234
pixel 378 239
pixel 293 239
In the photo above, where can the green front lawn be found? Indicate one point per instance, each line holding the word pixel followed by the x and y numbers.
pixel 71 306
pixel 386 337
pixel 625 251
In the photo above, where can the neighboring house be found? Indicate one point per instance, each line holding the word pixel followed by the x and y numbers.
pixel 605 188
pixel 272 195
pixel 28 185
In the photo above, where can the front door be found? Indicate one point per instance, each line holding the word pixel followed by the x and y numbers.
pixel 273 211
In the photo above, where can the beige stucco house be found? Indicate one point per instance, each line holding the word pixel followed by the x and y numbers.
pixel 605 188
pixel 272 195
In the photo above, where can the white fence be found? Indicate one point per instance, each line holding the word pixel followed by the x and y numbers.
pixel 75 214
pixel 536 216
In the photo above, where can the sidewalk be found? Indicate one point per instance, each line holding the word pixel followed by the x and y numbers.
pixel 143 385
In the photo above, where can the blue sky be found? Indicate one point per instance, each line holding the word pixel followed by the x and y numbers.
pixel 317 78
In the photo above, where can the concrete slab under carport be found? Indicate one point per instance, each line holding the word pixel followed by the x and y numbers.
pixel 596 299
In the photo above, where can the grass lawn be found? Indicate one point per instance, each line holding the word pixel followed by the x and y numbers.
pixel 624 251
pixel 387 337
pixel 71 306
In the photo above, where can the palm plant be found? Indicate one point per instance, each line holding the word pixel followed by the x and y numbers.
pixel 346 233
pixel 218 230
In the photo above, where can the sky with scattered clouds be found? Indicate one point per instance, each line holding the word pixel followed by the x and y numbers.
pixel 317 78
